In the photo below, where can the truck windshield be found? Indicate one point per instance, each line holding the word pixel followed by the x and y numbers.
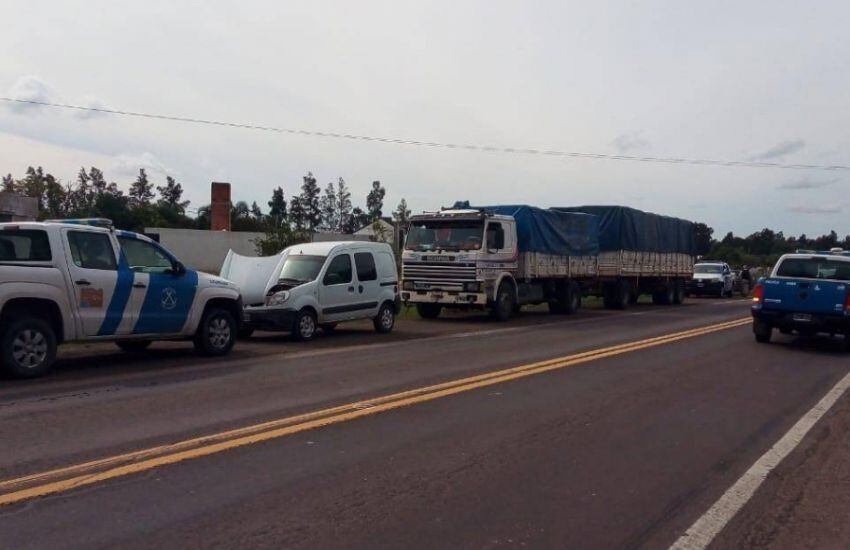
pixel 814 268
pixel 301 269
pixel 445 235
pixel 705 268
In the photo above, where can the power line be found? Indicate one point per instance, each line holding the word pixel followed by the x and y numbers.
pixel 468 147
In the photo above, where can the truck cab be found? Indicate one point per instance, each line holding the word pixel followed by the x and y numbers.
pixel 807 292
pixel 458 258
pixel 82 280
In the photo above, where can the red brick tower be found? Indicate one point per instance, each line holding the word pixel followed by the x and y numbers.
pixel 220 207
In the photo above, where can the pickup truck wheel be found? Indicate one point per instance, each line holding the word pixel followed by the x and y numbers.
pixel 762 331
pixel 429 311
pixel 385 320
pixel 133 346
pixel 216 333
pixel 503 307
pixel 29 348
pixel 304 326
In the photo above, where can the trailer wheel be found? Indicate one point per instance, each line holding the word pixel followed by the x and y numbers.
pixel 503 307
pixel 617 295
pixel 665 295
pixel 573 297
pixel 679 292
pixel 429 311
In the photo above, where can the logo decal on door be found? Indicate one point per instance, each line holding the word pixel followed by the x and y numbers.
pixel 169 298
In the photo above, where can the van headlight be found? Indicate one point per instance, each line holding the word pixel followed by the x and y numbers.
pixel 278 298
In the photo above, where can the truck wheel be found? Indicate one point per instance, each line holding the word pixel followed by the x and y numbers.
pixel 617 295
pixel 216 332
pixel 664 296
pixel 678 292
pixel 304 326
pixel 133 346
pixel 29 348
pixel 573 298
pixel 385 321
pixel 429 311
pixel 762 331
pixel 503 307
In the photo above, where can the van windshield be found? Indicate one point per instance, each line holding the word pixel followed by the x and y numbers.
pixel 445 235
pixel 814 268
pixel 301 269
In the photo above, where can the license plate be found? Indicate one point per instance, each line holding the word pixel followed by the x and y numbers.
pixel 421 286
pixel 700 285
pixel 802 317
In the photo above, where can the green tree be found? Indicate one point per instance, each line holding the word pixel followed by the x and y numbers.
pixel 141 190
pixel 356 221
pixel 330 209
pixel 54 198
pixel 343 205
pixel 296 214
pixel 702 238
pixel 277 208
pixel 310 203
pixel 402 214
pixel 277 238
pixel 8 183
pixel 172 195
pixel 375 201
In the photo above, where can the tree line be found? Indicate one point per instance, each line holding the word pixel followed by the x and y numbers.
pixel 148 205
pixel 762 248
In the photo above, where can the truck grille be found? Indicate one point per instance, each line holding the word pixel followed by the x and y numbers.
pixel 438 275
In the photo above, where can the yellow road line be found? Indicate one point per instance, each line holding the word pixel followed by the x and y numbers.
pixel 65 479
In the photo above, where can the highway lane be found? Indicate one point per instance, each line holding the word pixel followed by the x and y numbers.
pixel 621 451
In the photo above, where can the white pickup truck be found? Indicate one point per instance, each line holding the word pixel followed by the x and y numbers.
pixel 81 280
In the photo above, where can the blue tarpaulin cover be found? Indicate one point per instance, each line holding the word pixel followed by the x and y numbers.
pixel 624 228
pixel 551 232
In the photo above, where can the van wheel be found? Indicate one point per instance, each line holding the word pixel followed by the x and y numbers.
pixel 385 321
pixel 216 333
pixel 429 311
pixel 762 331
pixel 504 305
pixel 29 348
pixel 304 326
pixel 133 346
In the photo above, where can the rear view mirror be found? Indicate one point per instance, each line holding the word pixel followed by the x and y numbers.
pixel 178 269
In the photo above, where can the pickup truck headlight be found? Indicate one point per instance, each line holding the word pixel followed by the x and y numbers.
pixel 278 298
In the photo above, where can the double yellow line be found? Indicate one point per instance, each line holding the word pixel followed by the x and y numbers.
pixel 64 479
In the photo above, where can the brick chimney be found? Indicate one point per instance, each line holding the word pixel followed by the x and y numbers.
pixel 220 206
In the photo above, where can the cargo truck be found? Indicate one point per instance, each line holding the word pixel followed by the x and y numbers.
pixel 503 257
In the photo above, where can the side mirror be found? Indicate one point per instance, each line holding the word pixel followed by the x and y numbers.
pixel 179 269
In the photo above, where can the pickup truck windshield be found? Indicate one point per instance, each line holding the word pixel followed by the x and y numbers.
pixel 445 235
pixel 301 269
pixel 708 269
pixel 814 268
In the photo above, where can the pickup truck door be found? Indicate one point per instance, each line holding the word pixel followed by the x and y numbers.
pixel 162 296
pixel 97 291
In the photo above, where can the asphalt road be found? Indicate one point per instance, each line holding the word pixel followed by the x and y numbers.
pixel 607 436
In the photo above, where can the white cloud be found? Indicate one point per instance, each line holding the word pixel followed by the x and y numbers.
pixel 815 209
pixel 28 88
pixel 129 165
pixel 629 142
pixel 90 102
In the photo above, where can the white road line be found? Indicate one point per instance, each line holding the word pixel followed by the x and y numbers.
pixel 703 531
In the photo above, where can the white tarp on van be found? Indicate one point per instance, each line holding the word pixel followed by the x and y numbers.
pixel 254 275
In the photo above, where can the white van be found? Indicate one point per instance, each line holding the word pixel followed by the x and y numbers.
pixel 317 285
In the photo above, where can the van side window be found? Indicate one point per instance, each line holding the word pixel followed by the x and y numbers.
pixel 339 271
pixel 365 263
pixel 91 250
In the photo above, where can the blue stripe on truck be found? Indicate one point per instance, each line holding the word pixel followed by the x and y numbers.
pixel 120 296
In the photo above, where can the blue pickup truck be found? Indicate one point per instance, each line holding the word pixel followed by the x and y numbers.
pixel 807 292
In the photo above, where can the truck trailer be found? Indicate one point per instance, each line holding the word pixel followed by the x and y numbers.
pixel 640 253
pixel 503 257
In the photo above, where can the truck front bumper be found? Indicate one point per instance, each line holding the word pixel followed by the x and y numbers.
pixel 445 297
pixel 803 322
pixel 269 318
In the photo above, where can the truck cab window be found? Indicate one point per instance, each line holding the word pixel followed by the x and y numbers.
pixel 495 236
pixel 145 257
pixel 91 250
pixel 339 271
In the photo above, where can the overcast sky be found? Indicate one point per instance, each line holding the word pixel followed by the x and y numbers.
pixel 728 80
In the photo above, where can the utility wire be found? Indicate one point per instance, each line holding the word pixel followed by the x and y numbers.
pixel 401 141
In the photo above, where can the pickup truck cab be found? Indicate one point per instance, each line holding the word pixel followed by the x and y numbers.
pixel 806 293
pixel 712 279
pixel 317 285
pixel 81 280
